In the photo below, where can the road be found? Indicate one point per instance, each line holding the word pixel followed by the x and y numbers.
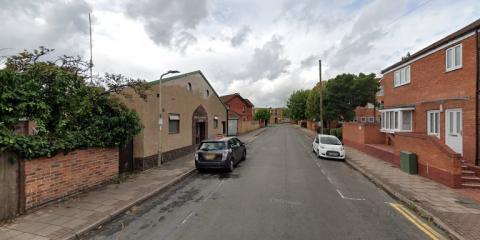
pixel 282 191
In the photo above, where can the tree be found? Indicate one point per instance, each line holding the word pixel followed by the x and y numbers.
pixel 347 91
pixel 69 111
pixel 297 104
pixel 263 115
pixel 313 102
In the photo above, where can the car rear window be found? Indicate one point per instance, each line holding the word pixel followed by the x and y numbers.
pixel 212 146
pixel 330 141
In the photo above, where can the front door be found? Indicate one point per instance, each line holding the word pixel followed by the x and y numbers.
pixel 453 130
pixel 199 132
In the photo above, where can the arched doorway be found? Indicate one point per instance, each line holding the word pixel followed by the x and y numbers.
pixel 199 125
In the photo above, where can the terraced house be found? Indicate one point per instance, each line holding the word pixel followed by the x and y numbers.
pixel 431 99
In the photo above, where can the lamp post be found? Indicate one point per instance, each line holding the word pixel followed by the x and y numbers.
pixel 321 93
pixel 160 110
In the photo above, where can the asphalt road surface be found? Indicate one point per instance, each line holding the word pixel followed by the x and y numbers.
pixel 282 191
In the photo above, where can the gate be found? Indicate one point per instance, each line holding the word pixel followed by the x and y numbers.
pixel 232 127
pixel 125 157
pixel 9 187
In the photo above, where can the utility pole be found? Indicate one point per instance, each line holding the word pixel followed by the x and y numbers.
pixel 321 95
pixel 91 51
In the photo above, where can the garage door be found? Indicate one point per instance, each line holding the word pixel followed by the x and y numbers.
pixel 232 127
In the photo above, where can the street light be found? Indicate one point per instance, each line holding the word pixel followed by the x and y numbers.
pixel 160 150
pixel 169 72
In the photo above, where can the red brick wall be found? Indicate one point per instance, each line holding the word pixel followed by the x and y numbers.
pixel 312 125
pixel 435 160
pixel 430 83
pixel 362 133
pixel 48 179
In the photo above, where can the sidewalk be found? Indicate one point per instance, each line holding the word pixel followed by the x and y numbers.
pixel 451 209
pixel 81 213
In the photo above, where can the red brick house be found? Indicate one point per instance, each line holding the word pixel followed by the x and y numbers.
pixel 430 107
pixel 240 114
pixel 367 114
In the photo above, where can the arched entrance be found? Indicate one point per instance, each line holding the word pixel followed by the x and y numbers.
pixel 199 125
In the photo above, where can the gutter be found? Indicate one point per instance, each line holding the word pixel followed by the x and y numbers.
pixel 477 92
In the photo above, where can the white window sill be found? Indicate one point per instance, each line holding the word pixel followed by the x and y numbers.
pixel 394 130
pixel 395 86
pixel 453 69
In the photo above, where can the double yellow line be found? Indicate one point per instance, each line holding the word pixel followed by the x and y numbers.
pixel 417 222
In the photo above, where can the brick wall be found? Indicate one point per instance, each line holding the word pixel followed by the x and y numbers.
pixel 359 133
pixel 248 126
pixel 435 160
pixel 48 179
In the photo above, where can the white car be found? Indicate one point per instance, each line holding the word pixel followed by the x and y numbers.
pixel 328 146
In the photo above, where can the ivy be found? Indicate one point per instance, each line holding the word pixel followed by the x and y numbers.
pixel 69 112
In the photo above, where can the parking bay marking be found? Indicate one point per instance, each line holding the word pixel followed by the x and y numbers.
pixel 416 221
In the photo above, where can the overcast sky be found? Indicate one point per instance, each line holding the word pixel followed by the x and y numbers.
pixel 262 49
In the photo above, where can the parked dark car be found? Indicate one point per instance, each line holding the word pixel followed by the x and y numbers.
pixel 224 153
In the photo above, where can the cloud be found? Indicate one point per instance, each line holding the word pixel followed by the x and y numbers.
pixel 267 61
pixel 25 25
pixel 367 29
pixel 169 23
pixel 240 36
pixel 310 61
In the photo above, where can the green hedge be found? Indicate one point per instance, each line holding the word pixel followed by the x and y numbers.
pixel 336 132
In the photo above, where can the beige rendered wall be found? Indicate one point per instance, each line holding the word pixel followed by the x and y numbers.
pixel 146 142
pixel 177 99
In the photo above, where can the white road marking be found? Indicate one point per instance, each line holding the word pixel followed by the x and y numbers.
pixel 323 172
pixel 330 180
pixel 186 218
pixel 349 198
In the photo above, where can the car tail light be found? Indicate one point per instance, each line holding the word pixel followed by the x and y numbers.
pixel 225 153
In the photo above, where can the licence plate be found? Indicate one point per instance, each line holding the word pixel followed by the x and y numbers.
pixel 333 154
pixel 209 156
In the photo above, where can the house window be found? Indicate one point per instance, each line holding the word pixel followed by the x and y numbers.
pixel 208 93
pixel 453 58
pixel 363 119
pixel 371 119
pixel 380 91
pixel 402 76
pixel 397 120
pixel 189 87
pixel 243 109
pixel 215 122
pixel 433 123
pixel 174 123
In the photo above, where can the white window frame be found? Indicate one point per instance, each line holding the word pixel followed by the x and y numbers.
pixel 401 76
pixel 371 119
pixel 392 120
pixel 455 65
pixel 429 123
pixel 363 119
